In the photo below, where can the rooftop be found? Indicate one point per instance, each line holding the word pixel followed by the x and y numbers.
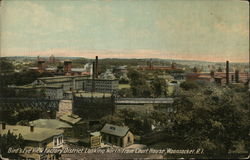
pixel 38 135
pixel 93 94
pixel 50 123
pixel 70 118
pixel 30 86
pixel 119 131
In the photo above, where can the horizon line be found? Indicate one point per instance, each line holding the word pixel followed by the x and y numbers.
pixel 130 58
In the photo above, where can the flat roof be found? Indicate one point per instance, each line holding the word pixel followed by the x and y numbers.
pixel 70 118
pixel 38 135
pixel 50 123
pixel 93 94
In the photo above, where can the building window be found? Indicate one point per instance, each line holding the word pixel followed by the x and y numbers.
pixel 55 141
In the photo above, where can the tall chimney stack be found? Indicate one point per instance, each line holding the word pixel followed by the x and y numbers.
pixel 40 64
pixel 150 64
pixel 96 66
pixel 93 77
pixel 227 72
pixel 237 74
pixel 67 66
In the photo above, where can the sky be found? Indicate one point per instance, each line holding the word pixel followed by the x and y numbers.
pixel 207 30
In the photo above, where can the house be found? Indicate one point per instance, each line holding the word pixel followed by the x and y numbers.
pixel 117 135
pixel 79 127
pixel 36 137
pixel 54 124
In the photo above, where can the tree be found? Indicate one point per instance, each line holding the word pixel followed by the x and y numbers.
pixel 213 118
pixel 10 140
pixel 6 66
pixel 138 84
pixel 159 86
pixel 187 85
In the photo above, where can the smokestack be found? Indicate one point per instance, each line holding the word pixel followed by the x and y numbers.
pixel 173 65
pixel 40 64
pixel 67 66
pixel 227 72
pixel 96 66
pixel 150 64
pixel 212 73
pixel 93 77
pixel 237 74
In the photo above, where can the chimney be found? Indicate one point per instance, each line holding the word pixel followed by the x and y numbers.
pixel 150 64
pixel 40 64
pixel 31 128
pixel 173 65
pixel 96 66
pixel 93 77
pixel 3 125
pixel 227 72
pixel 237 74
pixel 212 74
pixel 93 70
pixel 67 66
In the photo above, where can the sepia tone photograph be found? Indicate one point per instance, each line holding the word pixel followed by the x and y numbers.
pixel 124 79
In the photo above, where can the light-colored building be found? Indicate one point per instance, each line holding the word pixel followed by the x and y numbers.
pixel 36 137
pixel 58 87
pixel 54 124
pixel 117 135
pixel 101 85
pixel 79 127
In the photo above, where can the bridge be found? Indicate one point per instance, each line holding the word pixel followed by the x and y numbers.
pixel 12 103
pixel 144 100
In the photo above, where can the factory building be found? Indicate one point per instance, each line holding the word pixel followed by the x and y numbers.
pixel 219 77
pixel 101 85
pixel 58 87
pixel 93 106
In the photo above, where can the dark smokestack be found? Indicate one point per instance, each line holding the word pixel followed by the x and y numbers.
pixel 67 66
pixel 96 66
pixel 40 64
pixel 150 64
pixel 212 73
pixel 227 72
pixel 93 77
pixel 237 74
pixel 93 70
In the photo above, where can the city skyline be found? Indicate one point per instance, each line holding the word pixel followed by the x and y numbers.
pixel 201 30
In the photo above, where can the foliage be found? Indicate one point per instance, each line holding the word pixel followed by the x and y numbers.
pixel 21 78
pixel 139 87
pixel 213 118
pixel 188 85
pixel 10 140
pixel 138 122
pixel 159 86
pixel 23 114
pixel 6 66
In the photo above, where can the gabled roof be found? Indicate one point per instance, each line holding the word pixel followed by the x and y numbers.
pixel 119 131
pixel 70 118
pixel 50 123
pixel 38 135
